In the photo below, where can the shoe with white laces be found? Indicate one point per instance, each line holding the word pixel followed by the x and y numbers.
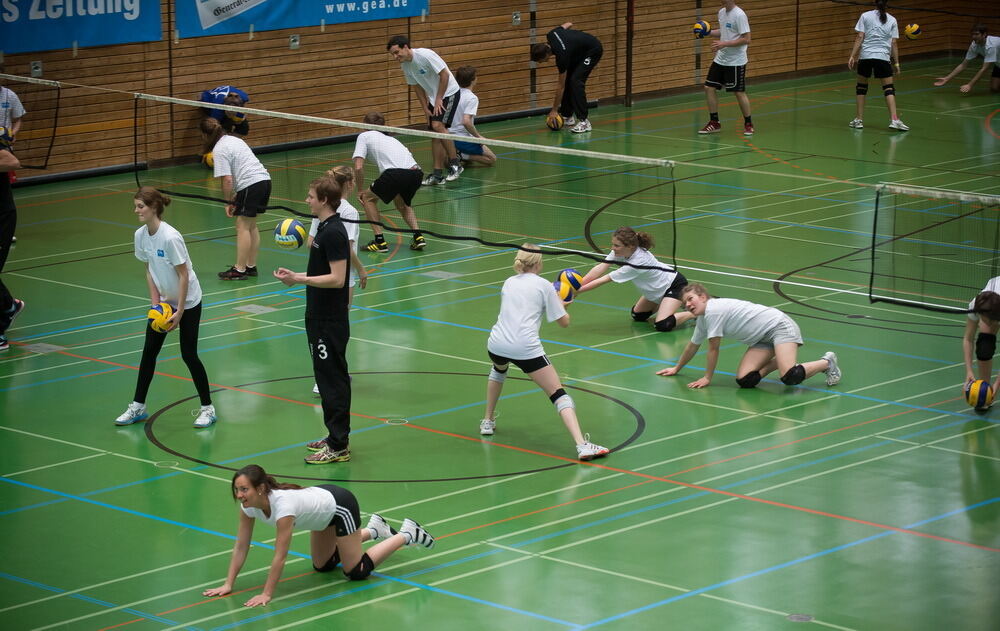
pixel 453 172
pixel 206 416
pixel 589 451
pixel 415 535
pixel 7 319
pixel 487 426
pixel 833 373
pixel 432 180
pixel 582 127
pixel 857 123
pixel 134 413
pixel 379 527
pixel 569 122
pixel 327 455
pixel 315 388
pixel 711 127
pixel 898 124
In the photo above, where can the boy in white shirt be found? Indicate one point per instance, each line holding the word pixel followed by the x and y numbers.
pixel 465 121
pixel 729 68
pixel 985 46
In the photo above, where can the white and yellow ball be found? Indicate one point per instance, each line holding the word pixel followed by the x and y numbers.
pixel 158 315
pixel 572 278
pixel 912 31
pixel 701 29
pixel 979 394
pixel 289 234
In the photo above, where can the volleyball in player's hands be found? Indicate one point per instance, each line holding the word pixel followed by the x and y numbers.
pixel 564 291
pixel 572 278
pixel 912 31
pixel 158 316
pixel 6 140
pixel 701 29
pixel 555 123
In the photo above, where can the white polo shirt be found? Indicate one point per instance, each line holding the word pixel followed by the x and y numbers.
pixel 162 252
pixel 732 24
pixel 524 299
pixel 425 70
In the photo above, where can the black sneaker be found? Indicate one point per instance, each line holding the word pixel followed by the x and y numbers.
pixel 377 246
pixel 252 271
pixel 233 274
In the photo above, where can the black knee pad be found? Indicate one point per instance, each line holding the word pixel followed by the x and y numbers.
pixel 331 564
pixel 749 380
pixel 861 89
pixel 666 324
pixel 795 375
pixel 986 346
pixel 641 316
pixel 889 89
pixel 555 395
pixel 362 570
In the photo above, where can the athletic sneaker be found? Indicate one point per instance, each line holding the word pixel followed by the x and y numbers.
pixel 898 124
pixel 464 157
pixel 134 413
pixel 7 319
pixel 748 129
pixel 4 344
pixel 252 271
pixel 379 527
pixel 487 427
pixel 711 127
pixel 569 122
pixel 327 455
pixel 589 451
pixel 833 373
pixel 315 388
pixel 453 172
pixel 206 416
pixel 856 124
pixel 582 127
pixel 415 535
pixel 316 445
pixel 377 246
pixel 233 274
pixel 433 180
pixel 418 242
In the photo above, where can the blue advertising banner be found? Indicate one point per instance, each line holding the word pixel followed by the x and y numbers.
pixel 197 18
pixel 28 26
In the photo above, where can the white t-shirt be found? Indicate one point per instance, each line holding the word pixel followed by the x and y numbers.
pixel 987 51
pixel 10 107
pixel 345 211
pixel 732 24
pixel 745 321
pixel 468 103
pixel 425 71
pixel 523 300
pixel 387 152
pixel 162 252
pixel 878 37
pixel 653 283
pixel 312 507
pixel 992 285
pixel 235 158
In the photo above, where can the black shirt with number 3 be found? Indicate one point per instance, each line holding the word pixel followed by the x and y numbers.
pixel 329 244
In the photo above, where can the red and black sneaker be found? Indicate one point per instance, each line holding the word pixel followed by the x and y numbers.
pixel 233 274
pixel 711 127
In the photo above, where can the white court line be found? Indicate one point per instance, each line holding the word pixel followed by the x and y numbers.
pixel 55 464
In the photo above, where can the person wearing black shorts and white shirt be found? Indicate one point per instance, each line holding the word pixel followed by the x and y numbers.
pixel 246 187
pixel 660 284
pixel 773 337
pixel 398 180
pixel 331 514
pixel 874 47
pixel 981 334
pixel 729 68
pixel 577 54
pixel 437 92
pixel 524 299
pixel 983 45
pixel 10 307
pixel 328 329
pixel 465 121
pixel 171 279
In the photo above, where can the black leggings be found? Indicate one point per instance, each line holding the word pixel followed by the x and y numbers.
pixel 188 330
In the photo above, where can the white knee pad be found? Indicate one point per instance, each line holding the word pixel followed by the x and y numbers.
pixel 565 402
pixel 497 376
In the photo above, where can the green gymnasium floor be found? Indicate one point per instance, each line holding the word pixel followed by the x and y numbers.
pixel 870 505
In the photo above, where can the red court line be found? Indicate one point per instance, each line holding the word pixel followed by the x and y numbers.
pixel 988 123
pixel 707 489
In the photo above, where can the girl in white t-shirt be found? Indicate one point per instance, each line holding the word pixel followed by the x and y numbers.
pixel 246 187
pixel 171 279
pixel 332 515
pixel 981 327
pixel 772 336
pixel 524 299
pixel 874 48
pixel 661 288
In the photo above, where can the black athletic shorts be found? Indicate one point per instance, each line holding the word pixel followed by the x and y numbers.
pixel 527 366
pixel 252 200
pixel 402 182
pixel 449 105
pixel 347 519
pixel 676 287
pixel 732 78
pixel 881 68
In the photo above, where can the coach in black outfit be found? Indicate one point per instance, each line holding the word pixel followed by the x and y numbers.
pixel 576 55
pixel 9 306
pixel 327 326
